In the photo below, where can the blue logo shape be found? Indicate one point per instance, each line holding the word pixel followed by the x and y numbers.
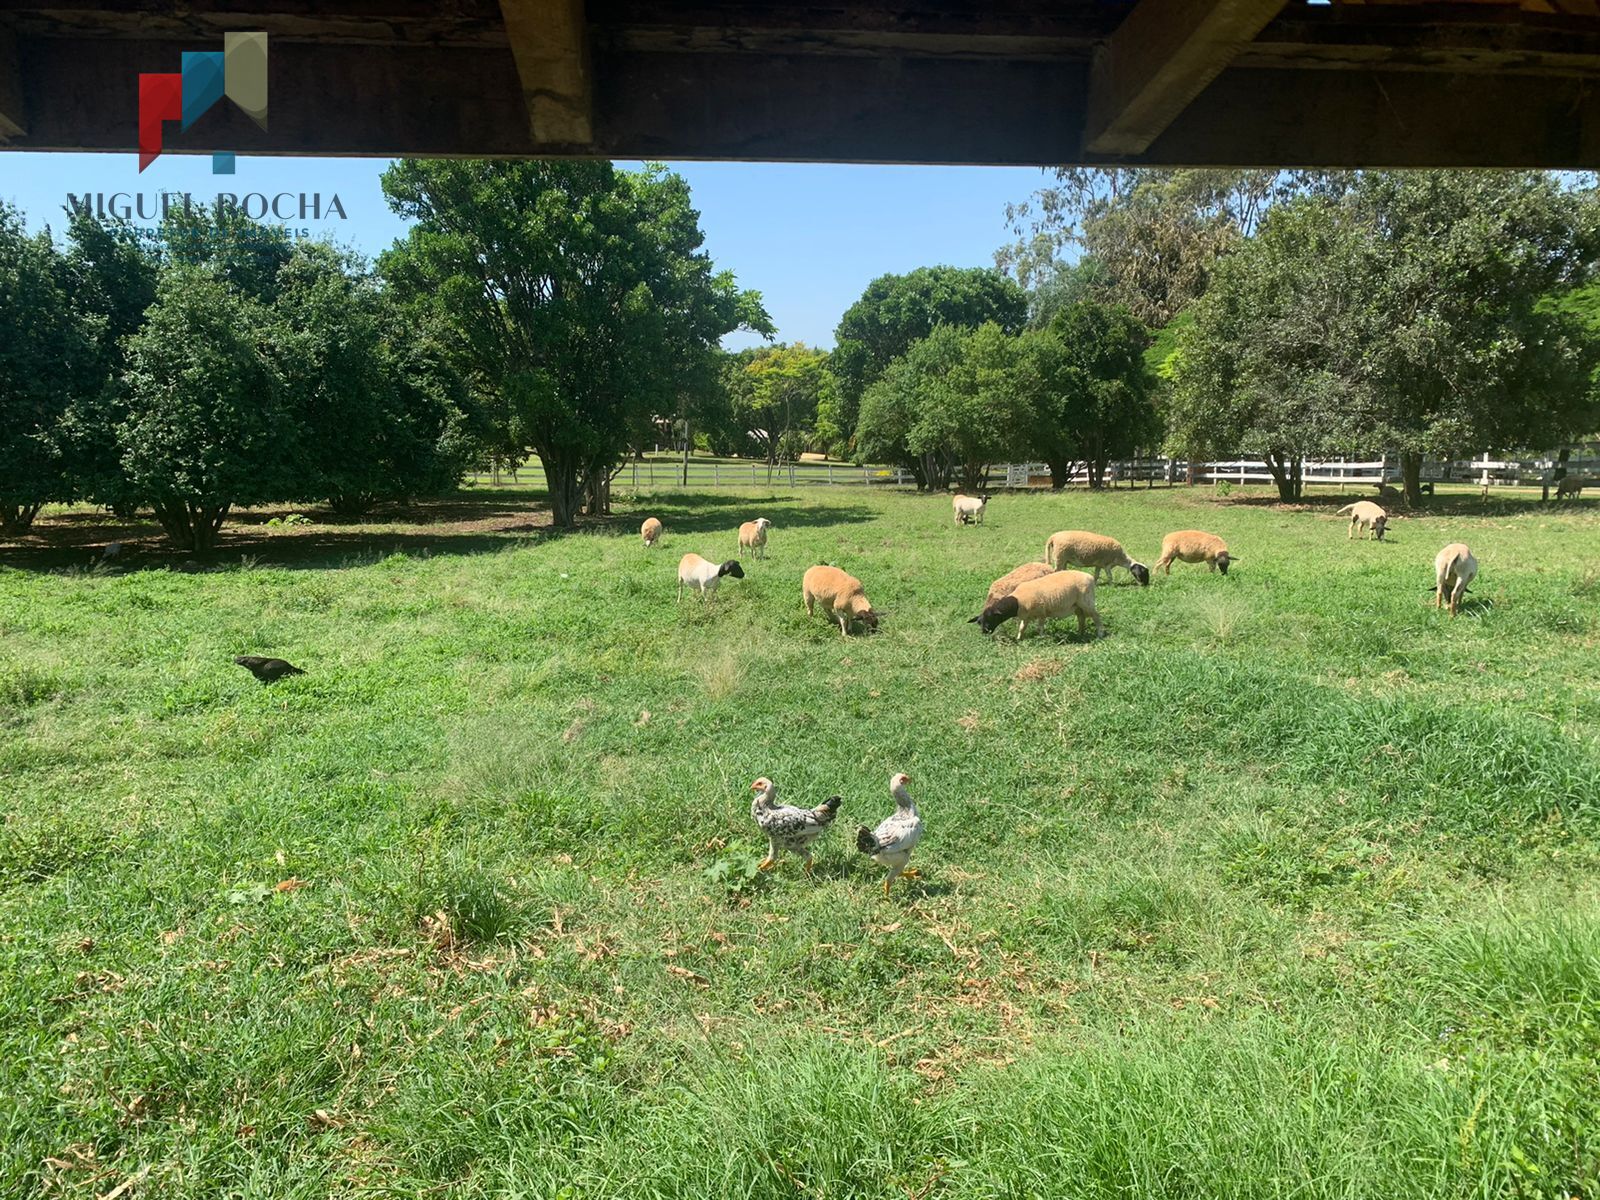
pixel 202 83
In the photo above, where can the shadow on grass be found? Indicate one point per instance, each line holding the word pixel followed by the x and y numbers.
pixel 1442 504
pixel 462 523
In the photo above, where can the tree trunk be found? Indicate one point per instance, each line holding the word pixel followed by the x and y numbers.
pixel 1060 472
pixel 597 491
pixel 1287 472
pixel 17 519
pixel 350 504
pixel 1411 475
pixel 566 492
pixel 190 525
pixel 1560 472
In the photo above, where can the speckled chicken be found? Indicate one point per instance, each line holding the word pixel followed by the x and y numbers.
pixel 891 843
pixel 789 828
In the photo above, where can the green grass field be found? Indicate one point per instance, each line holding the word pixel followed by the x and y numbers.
pixel 1287 887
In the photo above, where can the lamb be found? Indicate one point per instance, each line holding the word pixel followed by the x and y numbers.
pixel 1192 546
pixel 697 572
pixel 1006 584
pixel 753 536
pixel 650 531
pixel 840 595
pixel 1389 493
pixel 1366 515
pixel 1453 568
pixel 1570 485
pixel 970 508
pixel 1055 595
pixel 1078 548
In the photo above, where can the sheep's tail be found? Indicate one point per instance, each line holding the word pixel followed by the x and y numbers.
pixel 828 809
pixel 865 842
pixel 1344 510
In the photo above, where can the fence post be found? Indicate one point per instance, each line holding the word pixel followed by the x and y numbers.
pixel 830 472
pixel 636 474
pixel 716 474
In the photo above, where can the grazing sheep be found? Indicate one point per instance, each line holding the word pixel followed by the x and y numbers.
pixel 969 508
pixel 840 595
pixel 1364 514
pixel 650 531
pixel 697 572
pixel 753 536
pixel 1453 568
pixel 1008 583
pixel 1078 548
pixel 1056 595
pixel 1570 485
pixel 1192 546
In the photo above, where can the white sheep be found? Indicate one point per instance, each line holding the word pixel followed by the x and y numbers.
pixel 650 531
pixel 1365 515
pixel 701 573
pixel 969 508
pixel 1056 595
pixel 1453 568
pixel 1192 546
pixel 1009 582
pixel 1079 548
pixel 753 536
pixel 840 595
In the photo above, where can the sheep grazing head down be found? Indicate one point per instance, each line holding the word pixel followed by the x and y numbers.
pixel 869 619
pixel 1380 527
pixel 1223 562
pixel 1142 573
pixel 996 615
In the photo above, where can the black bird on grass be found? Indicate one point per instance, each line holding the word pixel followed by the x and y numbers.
pixel 267 670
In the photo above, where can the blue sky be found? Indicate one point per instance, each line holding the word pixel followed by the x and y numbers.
pixel 809 237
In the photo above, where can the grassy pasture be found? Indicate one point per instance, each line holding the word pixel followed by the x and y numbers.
pixel 1286 887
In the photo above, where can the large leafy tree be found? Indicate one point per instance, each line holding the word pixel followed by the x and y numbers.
pixel 1273 360
pixel 947 408
pixel 1088 390
pixel 897 310
pixel 577 295
pixel 373 401
pixel 47 359
pixel 775 394
pixel 114 280
pixel 208 428
pixel 1154 235
pixel 1463 352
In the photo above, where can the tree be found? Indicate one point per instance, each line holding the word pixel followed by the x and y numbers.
pixel 207 428
pixel 372 398
pixel 1462 350
pixel 897 310
pixel 1271 361
pixel 114 282
pixel 47 360
pixel 1087 388
pixel 947 406
pixel 575 294
pixel 774 394
pixel 1155 235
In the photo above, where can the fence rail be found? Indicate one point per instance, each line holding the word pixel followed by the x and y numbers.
pixel 1485 471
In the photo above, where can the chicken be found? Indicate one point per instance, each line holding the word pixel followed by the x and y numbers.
pixel 267 670
pixel 789 828
pixel 891 843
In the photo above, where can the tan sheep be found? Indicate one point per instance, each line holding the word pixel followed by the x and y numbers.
pixel 1570 485
pixel 753 536
pixel 1006 584
pixel 1192 546
pixel 1453 568
pixel 650 531
pixel 840 595
pixel 1056 595
pixel 1079 548
pixel 1365 515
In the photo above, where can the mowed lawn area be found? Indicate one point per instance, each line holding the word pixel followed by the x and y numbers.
pixel 1287 887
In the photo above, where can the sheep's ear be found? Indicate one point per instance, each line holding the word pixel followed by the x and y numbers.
pixel 974 620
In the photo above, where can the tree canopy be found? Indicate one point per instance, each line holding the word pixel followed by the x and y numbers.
pixel 576 294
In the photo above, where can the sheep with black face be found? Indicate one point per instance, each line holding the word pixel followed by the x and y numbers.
pixel 705 575
pixel 1058 594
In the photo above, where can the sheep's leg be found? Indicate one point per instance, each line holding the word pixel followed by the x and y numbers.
pixel 809 601
pixel 1083 623
pixel 844 624
pixel 1021 628
pixel 680 591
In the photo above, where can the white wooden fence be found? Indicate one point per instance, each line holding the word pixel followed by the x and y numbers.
pixel 1485 471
